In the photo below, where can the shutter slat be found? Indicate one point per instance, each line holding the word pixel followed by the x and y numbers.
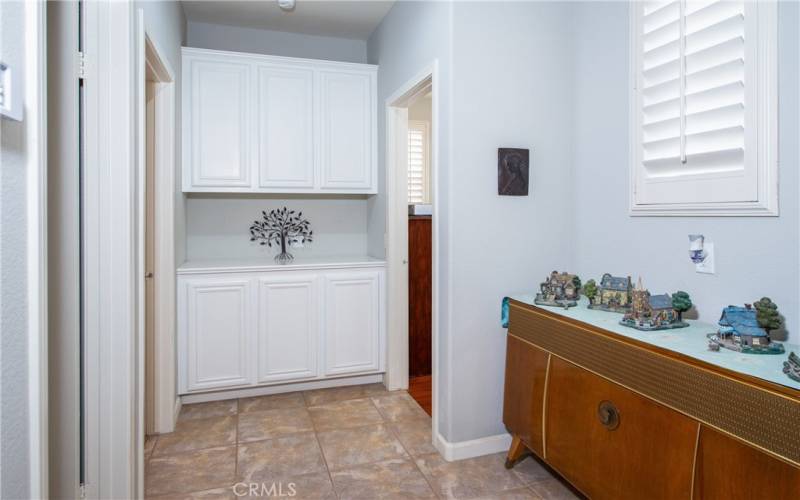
pixel 669 13
pixel 716 97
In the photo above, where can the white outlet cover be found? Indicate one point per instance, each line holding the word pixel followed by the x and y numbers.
pixel 10 93
pixel 707 266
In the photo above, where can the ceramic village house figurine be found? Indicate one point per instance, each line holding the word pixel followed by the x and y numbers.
pixel 746 329
pixel 791 367
pixel 613 294
pixel 656 312
pixel 559 289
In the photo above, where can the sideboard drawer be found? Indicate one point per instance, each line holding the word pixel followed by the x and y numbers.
pixel 612 443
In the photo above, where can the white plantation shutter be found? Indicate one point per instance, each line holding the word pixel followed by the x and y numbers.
pixel 704 115
pixel 418 169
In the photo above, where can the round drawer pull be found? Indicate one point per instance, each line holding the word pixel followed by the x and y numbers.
pixel 608 415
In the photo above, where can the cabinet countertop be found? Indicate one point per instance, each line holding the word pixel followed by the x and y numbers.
pixel 266 263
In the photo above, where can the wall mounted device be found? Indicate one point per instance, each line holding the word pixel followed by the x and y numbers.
pixel 10 93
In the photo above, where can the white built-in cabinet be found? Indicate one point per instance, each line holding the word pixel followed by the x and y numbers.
pixel 265 124
pixel 247 326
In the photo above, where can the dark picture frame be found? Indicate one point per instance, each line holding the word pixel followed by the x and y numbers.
pixel 513 168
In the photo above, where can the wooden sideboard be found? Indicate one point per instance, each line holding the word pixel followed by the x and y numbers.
pixel 622 419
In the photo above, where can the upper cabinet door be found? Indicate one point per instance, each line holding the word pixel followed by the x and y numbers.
pixel 285 131
pixel 217 111
pixel 346 131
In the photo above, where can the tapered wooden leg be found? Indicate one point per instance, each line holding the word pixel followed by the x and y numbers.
pixel 516 452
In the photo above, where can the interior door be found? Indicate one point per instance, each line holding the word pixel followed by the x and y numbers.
pixel 285 127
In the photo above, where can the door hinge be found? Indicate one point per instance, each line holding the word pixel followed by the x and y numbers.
pixel 80 64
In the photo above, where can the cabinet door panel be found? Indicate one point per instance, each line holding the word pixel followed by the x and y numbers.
pixel 219 103
pixel 346 130
pixel 287 328
pixel 647 455
pixel 352 323
pixel 285 128
pixel 218 326
pixel 526 371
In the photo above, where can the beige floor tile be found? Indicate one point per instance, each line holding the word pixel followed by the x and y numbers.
pixel 255 426
pixel 272 402
pixel 225 493
pixel 333 394
pixel 415 435
pixel 517 494
pixel 468 478
pixel 192 471
pixel 206 410
pixel 282 457
pixel 553 489
pixel 314 486
pixel 344 414
pixel 399 406
pixel 149 444
pixel 391 479
pixel 197 434
pixel 360 445
pixel 530 470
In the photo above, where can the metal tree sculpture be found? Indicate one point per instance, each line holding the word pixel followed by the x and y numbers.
pixel 279 225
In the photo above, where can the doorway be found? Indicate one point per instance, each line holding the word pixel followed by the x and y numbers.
pixel 412 239
pixel 156 238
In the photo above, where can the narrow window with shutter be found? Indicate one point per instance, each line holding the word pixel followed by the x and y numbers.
pixel 418 161
pixel 704 111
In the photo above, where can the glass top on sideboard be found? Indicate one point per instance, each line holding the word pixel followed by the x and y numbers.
pixel 691 341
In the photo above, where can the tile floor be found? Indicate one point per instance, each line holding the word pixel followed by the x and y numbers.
pixel 358 442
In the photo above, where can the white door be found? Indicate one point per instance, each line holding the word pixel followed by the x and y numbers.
pixel 346 129
pixel 284 131
pixel 218 120
pixel 352 329
pixel 218 326
pixel 288 327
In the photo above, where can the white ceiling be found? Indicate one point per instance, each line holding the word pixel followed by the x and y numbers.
pixel 345 19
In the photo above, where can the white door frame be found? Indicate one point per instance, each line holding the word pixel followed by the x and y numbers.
pixel 165 397
pixel 397 231
pixel 35 97
pixel 113 461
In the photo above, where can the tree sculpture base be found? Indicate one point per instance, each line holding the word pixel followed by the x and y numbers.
pixel 284 258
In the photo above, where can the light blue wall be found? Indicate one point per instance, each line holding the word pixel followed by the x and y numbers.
pixel 275 43
pixel 755 256
pixel 503 68
pixel 411 37
pixel 511 88
pixel 14 428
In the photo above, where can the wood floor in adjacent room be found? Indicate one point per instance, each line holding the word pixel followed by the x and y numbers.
pixel 358 442
pixel 420 389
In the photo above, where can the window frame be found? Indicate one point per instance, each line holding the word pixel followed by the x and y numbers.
pixel 425 126
pixel 765 134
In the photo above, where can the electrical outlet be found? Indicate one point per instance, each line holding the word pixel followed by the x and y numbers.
pixel 10 93
pixel 707 266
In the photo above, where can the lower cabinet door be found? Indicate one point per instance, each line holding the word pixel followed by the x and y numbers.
pixel 218 321
pixel 353 322
pixel 288 328
pixel 612 443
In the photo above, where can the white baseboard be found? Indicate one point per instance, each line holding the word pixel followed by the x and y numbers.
pixel 279 389
pixel 177 411
pixel 473 448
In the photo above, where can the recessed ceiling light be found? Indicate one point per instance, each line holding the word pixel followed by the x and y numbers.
pixel 287 5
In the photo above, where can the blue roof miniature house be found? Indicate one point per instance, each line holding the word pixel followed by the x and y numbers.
pixel 741 322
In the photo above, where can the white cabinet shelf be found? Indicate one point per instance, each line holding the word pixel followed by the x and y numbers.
pixel 247 323
pixel 265 124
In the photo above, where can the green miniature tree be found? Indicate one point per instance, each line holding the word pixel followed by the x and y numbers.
pixel 577 282
pixel 681 302
pixel 767 314
pixel 590 290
